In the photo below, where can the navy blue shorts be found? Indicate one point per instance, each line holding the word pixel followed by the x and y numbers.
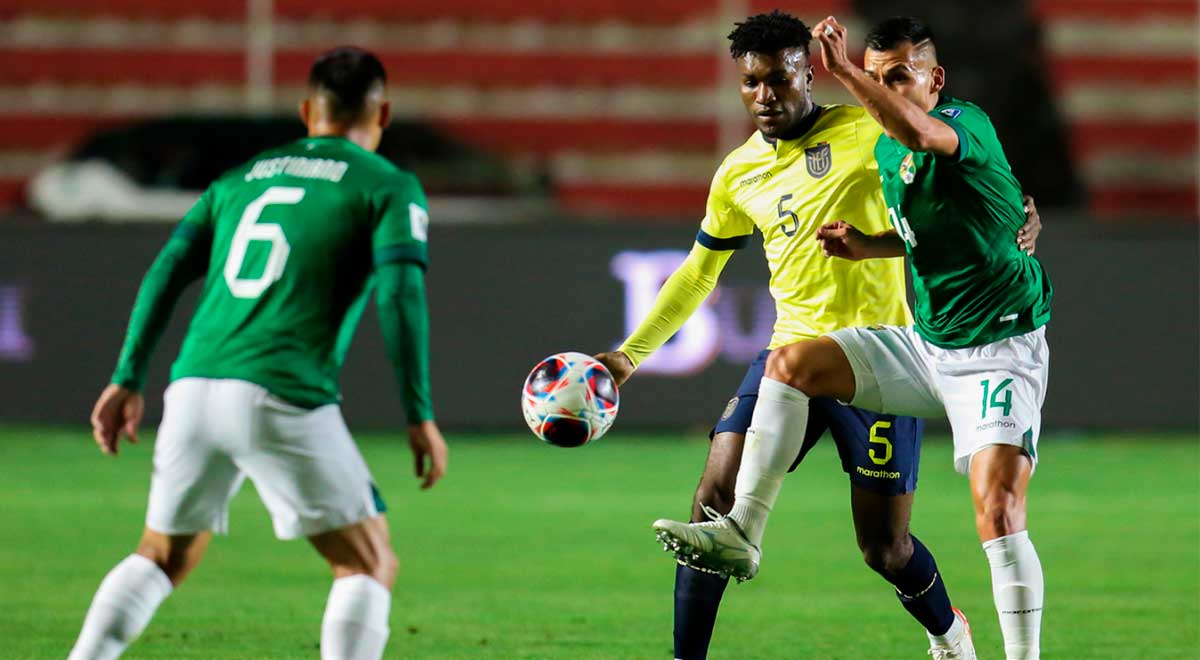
pixel 879 452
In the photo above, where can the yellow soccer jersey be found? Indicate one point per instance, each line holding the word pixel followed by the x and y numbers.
pixel 789 188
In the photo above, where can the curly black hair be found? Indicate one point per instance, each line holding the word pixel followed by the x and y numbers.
pixel 768 34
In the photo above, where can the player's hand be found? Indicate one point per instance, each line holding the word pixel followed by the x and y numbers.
pixel 832 37
pixel 618 364
pixel 842 239
pixel 429 452
pixel 118 412
pixel 1027 236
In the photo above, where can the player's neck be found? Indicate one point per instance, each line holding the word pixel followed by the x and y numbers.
pixel 803 126
pixel 358 135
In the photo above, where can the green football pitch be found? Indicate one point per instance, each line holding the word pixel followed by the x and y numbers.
pixel 529 551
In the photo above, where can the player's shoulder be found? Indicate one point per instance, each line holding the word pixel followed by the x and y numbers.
pixel 959 109
pixel 747 156
pixel 837 114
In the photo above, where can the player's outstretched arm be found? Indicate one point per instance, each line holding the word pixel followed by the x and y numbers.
pixel 844 240
pixel 678 299
pixel 182 260
pixel 404 319
pixel 117 412
pixel 900 118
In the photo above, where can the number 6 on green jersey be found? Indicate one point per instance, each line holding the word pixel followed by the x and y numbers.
pixel 248 230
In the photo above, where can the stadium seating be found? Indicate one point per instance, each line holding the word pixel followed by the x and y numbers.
pixel 621 99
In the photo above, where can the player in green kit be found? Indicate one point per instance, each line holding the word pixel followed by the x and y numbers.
pixel 978 351
pixel 289 247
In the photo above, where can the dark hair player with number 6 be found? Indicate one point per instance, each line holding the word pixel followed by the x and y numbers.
pixel 289 246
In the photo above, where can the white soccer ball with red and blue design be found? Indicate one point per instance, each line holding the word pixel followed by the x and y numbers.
pixel 569 399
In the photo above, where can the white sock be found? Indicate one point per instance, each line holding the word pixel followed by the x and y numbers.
pixel 121 608
pixel 951 636
pixel 773 441
pixel 355 626
pixel 1017 588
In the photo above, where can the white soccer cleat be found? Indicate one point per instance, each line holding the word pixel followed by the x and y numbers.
pixel 717 546
pixel 962 648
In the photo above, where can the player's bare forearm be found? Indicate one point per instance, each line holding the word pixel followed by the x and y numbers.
pixel 844 240
pixel 886 245
pixel 900 118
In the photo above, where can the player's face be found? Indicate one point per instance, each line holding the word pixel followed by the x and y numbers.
pixel 910 71
pixel 776 89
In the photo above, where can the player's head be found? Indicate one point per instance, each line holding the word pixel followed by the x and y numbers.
pixel 901 56
pixel 775 78
pixel 346 97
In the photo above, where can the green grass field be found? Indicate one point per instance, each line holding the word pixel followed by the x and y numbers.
pixel 528 551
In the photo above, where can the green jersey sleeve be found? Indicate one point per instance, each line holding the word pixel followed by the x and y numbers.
pixel 182 260
pixel 402 230
pixel 974 129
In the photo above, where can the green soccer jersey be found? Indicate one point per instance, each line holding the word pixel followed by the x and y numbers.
pixel 290 243
pixel 959 218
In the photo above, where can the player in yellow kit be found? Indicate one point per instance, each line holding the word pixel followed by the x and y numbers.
pixel 805 165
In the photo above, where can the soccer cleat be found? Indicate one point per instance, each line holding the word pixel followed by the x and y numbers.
pixel 717 546
pixel 962 648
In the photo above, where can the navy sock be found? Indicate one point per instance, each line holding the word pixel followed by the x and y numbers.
pixel 920 589
pixel 697 597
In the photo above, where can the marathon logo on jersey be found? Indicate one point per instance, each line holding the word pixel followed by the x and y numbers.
pixel 877 474
pixel 908 171
pixel 818 160
pixel 952 113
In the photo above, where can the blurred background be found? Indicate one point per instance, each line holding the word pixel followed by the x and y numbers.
pixel 567 149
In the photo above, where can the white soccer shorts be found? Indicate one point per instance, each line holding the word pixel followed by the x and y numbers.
pixel 217 432
pixel 992 394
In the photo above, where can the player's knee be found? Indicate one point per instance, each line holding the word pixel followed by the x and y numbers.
pixel 386 567
pixel 803 366
pixel 176 556
pixel 887 557
pixel 1001 512
pixel 788 364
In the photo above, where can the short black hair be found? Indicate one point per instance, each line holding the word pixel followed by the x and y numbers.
pixel 769 34
pixel 898 30
pixel 347 75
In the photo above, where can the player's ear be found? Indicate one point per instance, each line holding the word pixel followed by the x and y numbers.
pixel 385 114
pixel 305 109
pixel 937 79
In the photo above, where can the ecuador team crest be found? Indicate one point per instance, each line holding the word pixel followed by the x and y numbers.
pixel 818 160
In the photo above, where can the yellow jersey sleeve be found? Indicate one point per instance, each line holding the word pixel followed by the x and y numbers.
pixel 678 299
pixel 725 226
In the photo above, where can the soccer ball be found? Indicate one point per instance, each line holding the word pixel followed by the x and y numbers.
pixel 569 399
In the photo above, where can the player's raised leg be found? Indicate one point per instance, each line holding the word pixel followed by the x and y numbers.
pixel 133 590
pixel 999 480
pixel 794 374
pixel 355 625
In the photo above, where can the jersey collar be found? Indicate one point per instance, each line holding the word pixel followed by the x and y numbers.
pixel 784 146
